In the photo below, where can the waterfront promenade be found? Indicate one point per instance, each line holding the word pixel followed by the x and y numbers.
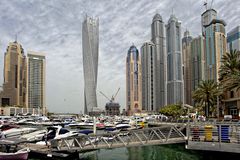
pixel 208 136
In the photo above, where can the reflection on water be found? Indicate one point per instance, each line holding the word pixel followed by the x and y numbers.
pixel 166 152
pixel 161 152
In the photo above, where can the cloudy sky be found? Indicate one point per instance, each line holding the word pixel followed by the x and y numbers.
pixel 54 28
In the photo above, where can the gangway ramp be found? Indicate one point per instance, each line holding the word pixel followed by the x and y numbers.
pixel 149 136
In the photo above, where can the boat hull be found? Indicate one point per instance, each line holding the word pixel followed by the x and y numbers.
pixel 14 156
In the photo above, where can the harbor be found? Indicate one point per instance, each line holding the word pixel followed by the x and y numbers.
pixel 119 80
pixel 70 137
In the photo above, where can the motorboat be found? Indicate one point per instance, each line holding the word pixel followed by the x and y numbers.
pixel 86 131
pixel 123 125
pixel 100 125
pixel 34 136
pixel 19 155
pixel 109 125
pixel 58 132
pixel 68 121
pixel 16 132
pixel 87 124
pixel 26 121
pixel 5 127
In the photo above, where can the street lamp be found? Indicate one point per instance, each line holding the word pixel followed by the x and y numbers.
pixel 188 107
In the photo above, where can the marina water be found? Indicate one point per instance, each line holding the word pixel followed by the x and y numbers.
pixel 160 152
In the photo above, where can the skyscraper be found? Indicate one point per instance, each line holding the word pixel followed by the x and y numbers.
pixel 215 42
pixel 233 39
pixel 231 98
pixel 90 43
pixel 174 61
pixel 198 61
pixel 158 38
pixel 36 80
pixel 14 86
pixel 187 76
pixel 133 81
pixel 149 59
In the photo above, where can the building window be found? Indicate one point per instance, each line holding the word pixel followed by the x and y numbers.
pixel 233 111
pixel 231 94
pixel 5 102
pixel 16 76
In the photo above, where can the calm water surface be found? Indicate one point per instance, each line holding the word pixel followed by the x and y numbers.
pixel 163 152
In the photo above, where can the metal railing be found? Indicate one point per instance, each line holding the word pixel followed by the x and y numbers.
pixel 149 136
pixel 215 136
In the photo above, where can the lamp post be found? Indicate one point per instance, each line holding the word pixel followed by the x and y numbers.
pixel 188 111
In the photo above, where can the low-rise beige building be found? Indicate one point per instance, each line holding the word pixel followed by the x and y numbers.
pixel 11 111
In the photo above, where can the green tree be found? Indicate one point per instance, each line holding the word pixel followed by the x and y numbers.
pixel 174 110
pixel 206 94
pixel 230 70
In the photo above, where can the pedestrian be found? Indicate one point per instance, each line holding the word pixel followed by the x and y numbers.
pixel 45 138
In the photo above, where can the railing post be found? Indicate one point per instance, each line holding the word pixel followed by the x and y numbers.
pixel 94 125
pixel 220 134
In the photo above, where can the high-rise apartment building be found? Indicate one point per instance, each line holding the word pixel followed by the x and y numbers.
pixel 174 61
pixel 215 42
pixel 198 61
pixel 233 39
pixel 90 44
pixel 133 81
pixel 36 80
pixel 15 76
pixel 149 60
pixel 232 98
pixel 158 38
pixel 187 69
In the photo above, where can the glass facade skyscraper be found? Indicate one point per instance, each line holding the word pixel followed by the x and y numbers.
pixel 215 42
pixel 158 38
pixel 198 61
pixel 90 44
pixel 187 76
pixel 149 59
pixel 233 39
pixel 174 61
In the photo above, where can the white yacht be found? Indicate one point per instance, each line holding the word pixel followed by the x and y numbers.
pixel 16 132
pixel 85 124
pixel 34 136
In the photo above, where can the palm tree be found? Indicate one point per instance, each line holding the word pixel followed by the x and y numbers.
pixel 230 70
pixel 206 94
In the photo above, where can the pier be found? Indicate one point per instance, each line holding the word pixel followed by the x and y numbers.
pixel 205 136
pixel 149 136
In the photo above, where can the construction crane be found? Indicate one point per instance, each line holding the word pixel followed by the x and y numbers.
pixel 111 107
pixel 113 96
pixel 105 95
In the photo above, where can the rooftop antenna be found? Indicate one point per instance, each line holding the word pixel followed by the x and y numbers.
pixel 211 4
pixel 15 37
pixel 205 4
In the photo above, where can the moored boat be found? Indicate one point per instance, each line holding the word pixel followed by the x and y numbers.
pixel 19 155
pixel 16 132
pixel 34 136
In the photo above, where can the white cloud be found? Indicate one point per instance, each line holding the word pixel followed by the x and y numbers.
pixel 54 27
